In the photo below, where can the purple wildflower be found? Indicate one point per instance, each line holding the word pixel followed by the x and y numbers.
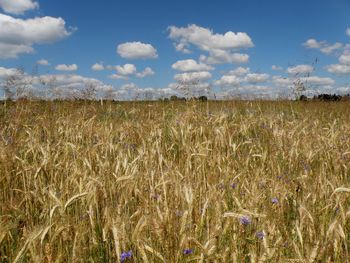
pixel 125 255
pixel 245 220
pixel 274 201
pixel 233 185
pixel 260 235
pixel 187 251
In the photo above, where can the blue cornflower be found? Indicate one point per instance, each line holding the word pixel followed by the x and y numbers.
pixel 125 255
pixel 274 201
pixel 245 220
pixel 260 235
pixel 187 251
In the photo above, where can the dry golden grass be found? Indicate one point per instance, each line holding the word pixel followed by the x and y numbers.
pixel 175 182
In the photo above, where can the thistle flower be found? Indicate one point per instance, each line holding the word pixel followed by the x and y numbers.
pixel 245 220
pixel 260 235
pixel 233 185
pixel 187 251
pixel 274 201
pixel 125 255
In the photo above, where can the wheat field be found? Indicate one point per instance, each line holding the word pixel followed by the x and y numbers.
pixel 235 181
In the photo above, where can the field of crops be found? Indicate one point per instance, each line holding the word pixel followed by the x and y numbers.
pixel 175 182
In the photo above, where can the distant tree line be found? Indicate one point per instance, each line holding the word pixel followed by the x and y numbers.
pixel 176 98
pixel 326 97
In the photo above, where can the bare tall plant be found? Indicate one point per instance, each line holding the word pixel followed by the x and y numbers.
pixel 300 83
pixel 89 91
pixel 16 85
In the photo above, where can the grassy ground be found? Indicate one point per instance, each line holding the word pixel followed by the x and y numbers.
pixel 175 182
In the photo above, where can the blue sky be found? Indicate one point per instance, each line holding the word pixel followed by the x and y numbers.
pixel 286 34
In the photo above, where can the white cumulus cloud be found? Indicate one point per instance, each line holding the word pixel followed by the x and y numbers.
pixel 343 68
pixel 64 67
pixel 17 36
pixel 318 81
pixel 6 72
pixel 43 62
pixel 323 46
pixel 97 67
pixel 190 65
pixel 190 77
pixel 125 70
pixel 348 31
pixel 218 56
pixel 345 58
pixel 239 71
pixel 256 78
pixel 339 69
pixel 228 80
pixel 205 38
pixel 145 73
pixel 129 70
pixel 136 50
pixel 300 69
pixel 221 47
pixel 18 7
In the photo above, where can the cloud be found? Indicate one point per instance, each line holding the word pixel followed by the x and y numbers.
pixel 18 7
pixel 43 62
pixel 323 46
pixel 128 70
pixel 312 43
pixel 145 73
pixel 97 67
pixel 318 81
pixel 348 31
pixel 276 68
pixel 182 47
pixel 221 47
pixel 222 56
pixel 280 81
pixel 256 78
pixel 129 86
pixel 190 65
pixel 300 69
pixel 339 69
pixel 239 71
pixel 123 72
pixel 228 80
pixel 116 76
pixel 205 39
pixel 12 51
pixel 234 78
pixel 6 72
pixel 311 80
pixel 136 50
pixel 17 36
pixel 190 77
pixel 64 67
pixel 343 90
pixel 345 58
